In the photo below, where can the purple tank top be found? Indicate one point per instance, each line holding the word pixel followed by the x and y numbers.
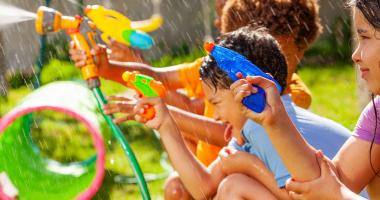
pixel 365 128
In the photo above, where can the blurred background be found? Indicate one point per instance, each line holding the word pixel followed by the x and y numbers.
pixel 327 70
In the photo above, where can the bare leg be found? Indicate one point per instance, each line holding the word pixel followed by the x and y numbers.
pixel 174 189
pixel 240 186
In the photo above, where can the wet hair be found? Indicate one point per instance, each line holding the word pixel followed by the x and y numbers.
pixel 374 136
pixel 371 11
pixel 297 18
pixel 257 45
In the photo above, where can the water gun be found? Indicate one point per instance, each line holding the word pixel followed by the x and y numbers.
pixel 83 31
pixel 232 62
pixel 118 27
pixel 145 86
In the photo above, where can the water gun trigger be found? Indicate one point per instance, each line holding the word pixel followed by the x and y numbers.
pixel 149 112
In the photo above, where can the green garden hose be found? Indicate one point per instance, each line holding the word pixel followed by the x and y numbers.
pixel 124 144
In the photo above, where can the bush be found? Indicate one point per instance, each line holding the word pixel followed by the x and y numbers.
pixel 20 78
pixel 59 70
pixel 336 47
pixel 57 48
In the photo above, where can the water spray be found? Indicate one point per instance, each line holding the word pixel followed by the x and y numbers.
pixel 11 15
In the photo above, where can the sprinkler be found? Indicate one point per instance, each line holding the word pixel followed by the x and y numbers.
pixel 49 20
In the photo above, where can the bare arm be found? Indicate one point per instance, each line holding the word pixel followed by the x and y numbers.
pixel 353 164
pixel 205 128
pixel 168 75
pixel 201 182
pixel 113 70
pixel 297 155
pixel 184 102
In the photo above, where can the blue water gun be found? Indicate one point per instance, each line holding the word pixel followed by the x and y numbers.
pixel 232 62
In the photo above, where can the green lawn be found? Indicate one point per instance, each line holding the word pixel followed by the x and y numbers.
pixel 334 92
pixel 334 96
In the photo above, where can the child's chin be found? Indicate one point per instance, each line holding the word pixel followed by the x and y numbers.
pixel 228 133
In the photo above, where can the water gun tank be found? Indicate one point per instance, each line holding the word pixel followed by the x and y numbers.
pixel 120 28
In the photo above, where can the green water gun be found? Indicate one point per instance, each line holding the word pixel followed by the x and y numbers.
pixel 145 86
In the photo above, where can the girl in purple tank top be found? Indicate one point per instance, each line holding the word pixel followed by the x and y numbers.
pixel 368 127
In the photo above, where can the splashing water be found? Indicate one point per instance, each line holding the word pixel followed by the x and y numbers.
pixel 156 7
pixel 74 2
pixel 11 15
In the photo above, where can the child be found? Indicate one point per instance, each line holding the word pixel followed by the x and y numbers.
pixel 202 182
pixel 294 24
pixel 247 137
pixel 300 30
pixel 357 164
pixel 187 76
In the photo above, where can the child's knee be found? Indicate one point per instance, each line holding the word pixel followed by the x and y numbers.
pixel 229 184
pixel 174 189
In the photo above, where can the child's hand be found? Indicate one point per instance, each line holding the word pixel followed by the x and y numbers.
pixel 122 53
pixel 161 117
pixel 274 107
pixel 231 160
pixel 120 104
pixel 327 186
pixel 80 58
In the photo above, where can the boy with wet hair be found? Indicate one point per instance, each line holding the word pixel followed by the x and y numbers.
pixel 201 182
pixel 250 164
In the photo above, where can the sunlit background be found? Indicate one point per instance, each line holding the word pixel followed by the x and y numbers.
pixel 327 70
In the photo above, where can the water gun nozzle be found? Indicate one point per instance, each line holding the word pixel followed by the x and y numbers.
pixel 209 46
pixel 127 76
pixel 87 9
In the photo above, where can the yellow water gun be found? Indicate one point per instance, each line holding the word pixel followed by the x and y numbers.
pixel 115 25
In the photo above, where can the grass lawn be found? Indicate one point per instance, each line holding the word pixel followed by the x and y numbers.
pixel 334 96
pixel 334 92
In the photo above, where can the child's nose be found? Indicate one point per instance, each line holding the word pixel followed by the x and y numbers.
pixel 356 56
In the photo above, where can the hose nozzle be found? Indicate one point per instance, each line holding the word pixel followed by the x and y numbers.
pixel 48 20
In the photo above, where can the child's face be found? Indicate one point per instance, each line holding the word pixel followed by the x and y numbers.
pixel 366 55
pixel 292 53
pixel 226 110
